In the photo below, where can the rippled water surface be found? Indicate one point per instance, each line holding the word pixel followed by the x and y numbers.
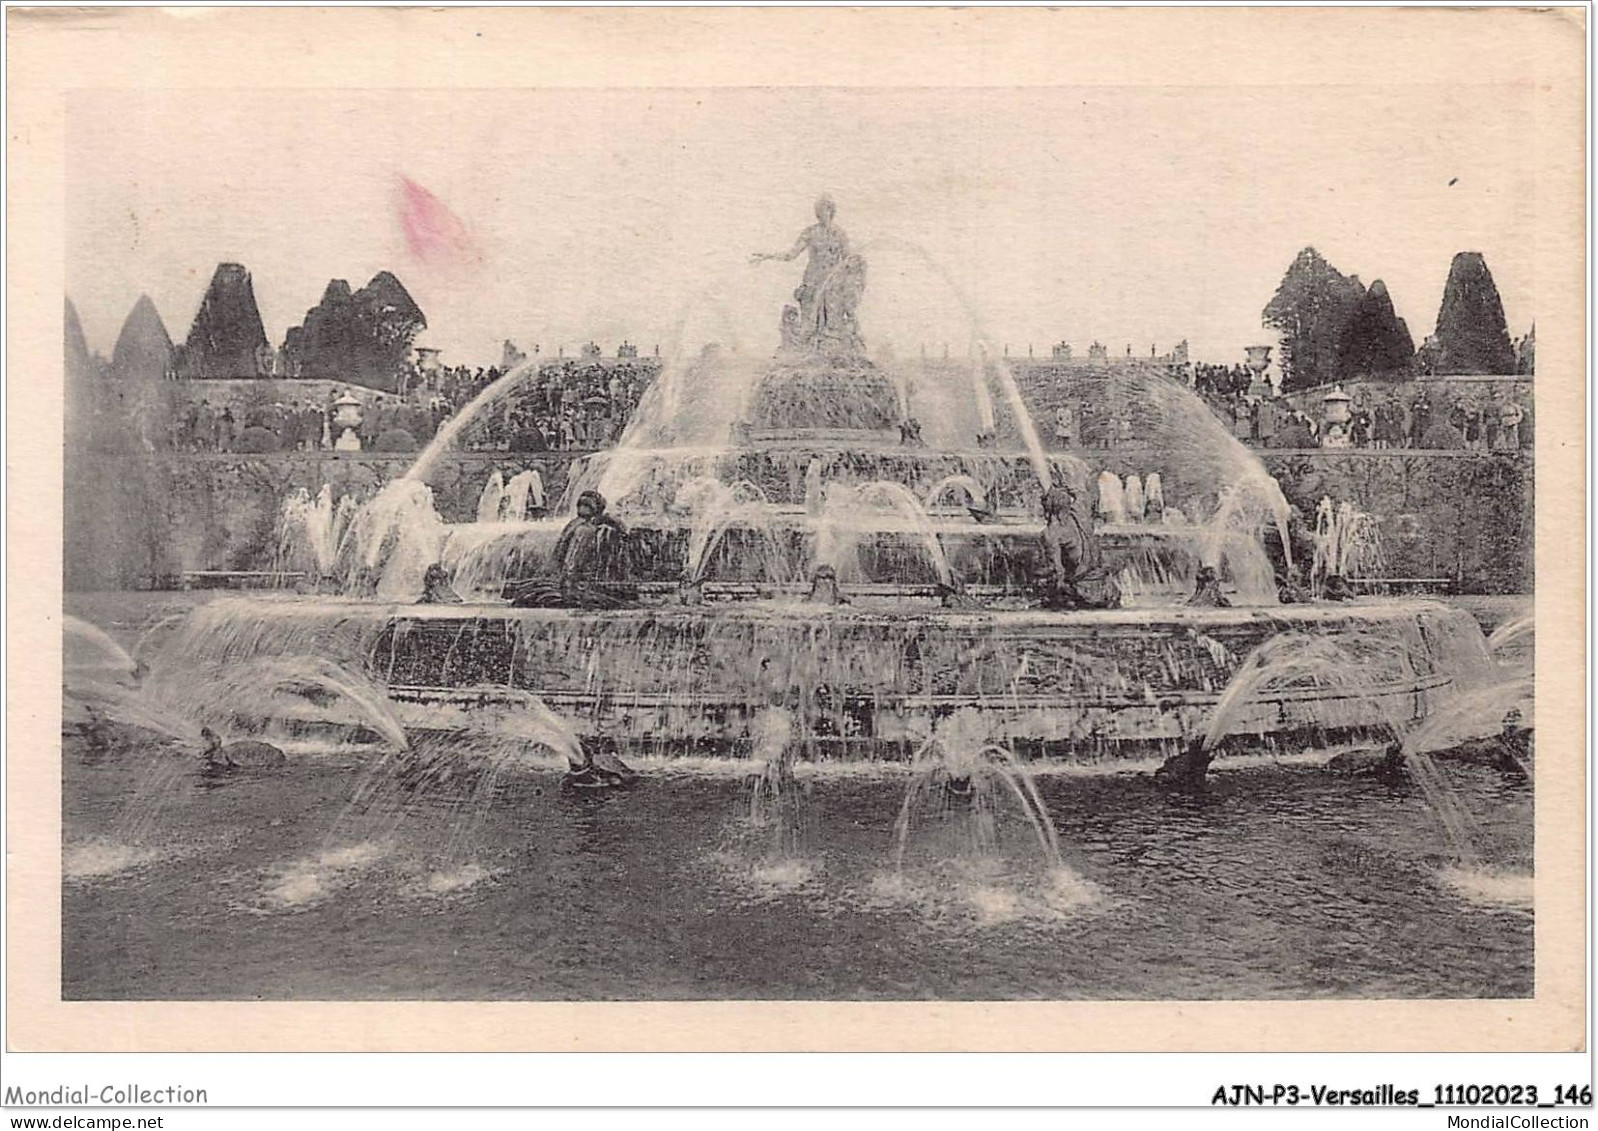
pixel 1281 882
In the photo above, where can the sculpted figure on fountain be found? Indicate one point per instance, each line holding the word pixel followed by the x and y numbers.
pixel 833 283
pixel 1074 572
pixel 585 555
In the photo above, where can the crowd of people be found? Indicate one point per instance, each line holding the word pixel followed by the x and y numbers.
pixel 585 403
pixel 270 426
pixel 564 405
pixel 1221 380
pixel 567 404
pixel 1468 419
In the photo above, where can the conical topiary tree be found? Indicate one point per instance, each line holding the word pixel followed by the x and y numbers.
pixel 1472 336
pixel 79 365
pixel 390 320
pixel 1311 311
pixel 322 344
pixel 227 332
pixel 1376 342
pixel 144 349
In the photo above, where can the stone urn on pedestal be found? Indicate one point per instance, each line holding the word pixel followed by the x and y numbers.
pixel 1334 429
pixel 1259 359
pixel 347 416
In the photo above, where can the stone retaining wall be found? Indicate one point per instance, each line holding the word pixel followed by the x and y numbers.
pixel 136 520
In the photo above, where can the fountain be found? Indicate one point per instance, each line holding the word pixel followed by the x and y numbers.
pixel 1347 545
pixel 742 479
pixel 493 496
pixel 957 772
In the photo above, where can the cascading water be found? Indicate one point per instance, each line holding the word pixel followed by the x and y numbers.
pixel 775 801
pixel 1111 505
pixel 492 498
pixel 1135 503
pixel 972 489
pixel 748 467
pixel 1511 633
pixel 1336 668
pixel 525 489
pixel 394 538
pixel 973 831
pixel 716 509
pixel 311 531
pixel 850 512
pixel 1230 541
pixel 987 421
pixel 1348 544
pixel 959 773
pixel 681 429
pixel 474 410
pixel 443 703
pixel 1154 498
pixel 285 690
pixel 89 654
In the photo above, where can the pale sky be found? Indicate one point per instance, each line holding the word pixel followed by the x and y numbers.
pixel 1077 213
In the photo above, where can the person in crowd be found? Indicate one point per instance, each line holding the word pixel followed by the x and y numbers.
pixel 1361 425
pixel 206 433
pixel 1472 425
pixel 1074 574
pixel 189 430
pixel 1457 413
pixel 1065 426
pixel 1420 419
pixel 1392 426
pixel 1491 416
pixel 227 431
pixel 1389 424
pixel 287 426
pixel 1392 417
pixel 1265 422
pixel 1242 420
pixel 371 410
pixel 1510 415
pixel 529 437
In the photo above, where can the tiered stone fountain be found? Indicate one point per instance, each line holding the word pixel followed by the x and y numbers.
pixel 740 480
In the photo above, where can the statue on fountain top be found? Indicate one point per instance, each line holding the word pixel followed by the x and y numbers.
pixel 833 283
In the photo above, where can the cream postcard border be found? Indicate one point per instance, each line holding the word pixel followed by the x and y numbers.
pixel 53 51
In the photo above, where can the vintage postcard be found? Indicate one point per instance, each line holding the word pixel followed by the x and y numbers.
pixel 796 529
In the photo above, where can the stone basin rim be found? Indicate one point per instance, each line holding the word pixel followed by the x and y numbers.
pixel 1359 609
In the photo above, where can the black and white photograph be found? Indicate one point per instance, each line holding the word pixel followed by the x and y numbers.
pixel 948 542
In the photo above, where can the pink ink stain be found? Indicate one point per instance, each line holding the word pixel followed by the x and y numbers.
pixel 433 233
